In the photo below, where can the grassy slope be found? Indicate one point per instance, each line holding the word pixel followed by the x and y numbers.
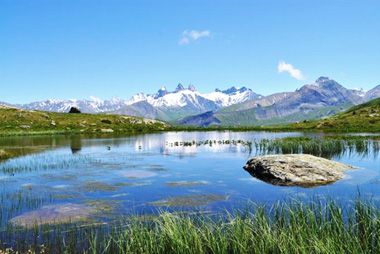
pixel 15 121
pixel 247 117
pixel 363 117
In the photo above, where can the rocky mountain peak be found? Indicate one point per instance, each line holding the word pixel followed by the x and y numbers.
pixel 161 92
pixel 192 88
pixel 322 79
pixel 322 83
pixel 232 90
pixel 180 87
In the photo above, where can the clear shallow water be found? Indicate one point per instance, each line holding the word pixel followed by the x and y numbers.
pixel 121 176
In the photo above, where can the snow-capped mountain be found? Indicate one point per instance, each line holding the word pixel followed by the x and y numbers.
pixel 232 96
pixel 170 105
pixel 182 97
pixel 359 92
pixel 234 105
pixel 313 101
pixel 94 105
pixel 187 101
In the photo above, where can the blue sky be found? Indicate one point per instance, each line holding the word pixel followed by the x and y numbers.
pixel 75 49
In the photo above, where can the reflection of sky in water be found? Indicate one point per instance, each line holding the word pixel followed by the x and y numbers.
pixel 135 171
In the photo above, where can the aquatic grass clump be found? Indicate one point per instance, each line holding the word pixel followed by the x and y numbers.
pixel 293 226
pixel 209 142
pixel 322 147
pixel 326 146
pixel 14 203
pixel 186 183
pixel 44 162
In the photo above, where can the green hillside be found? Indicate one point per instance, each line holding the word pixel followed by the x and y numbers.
pixel 15 121
pixel 247 117
pixel 362 117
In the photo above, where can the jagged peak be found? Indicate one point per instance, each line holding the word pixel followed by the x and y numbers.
pixel 180 87
pixel 161 92
pixel 232 90
pixel 192 88
pixel 116 99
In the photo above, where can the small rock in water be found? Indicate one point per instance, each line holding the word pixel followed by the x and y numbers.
pixel 296 170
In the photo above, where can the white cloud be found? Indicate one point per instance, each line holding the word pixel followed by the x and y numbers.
pixel 295 73
pixel 193 35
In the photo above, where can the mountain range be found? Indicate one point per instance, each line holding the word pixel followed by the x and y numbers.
pixel 319 99
pixel 234 106
pixel 163 105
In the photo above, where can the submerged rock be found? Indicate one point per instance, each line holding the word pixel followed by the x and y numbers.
pixel 186 183
pixel 52 214
pixel 296 170
pixel 137 174
pixel 191 200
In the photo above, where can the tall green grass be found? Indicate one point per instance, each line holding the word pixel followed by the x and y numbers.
pixel 290 226
pixel 323 147
pixel 327 146
pixel 41 162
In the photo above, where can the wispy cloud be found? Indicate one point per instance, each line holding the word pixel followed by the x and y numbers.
pixel 193 35
pixel 295 73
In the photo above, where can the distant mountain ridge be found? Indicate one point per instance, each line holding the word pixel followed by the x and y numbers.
pixel 230 107
pixel 319 99
pixel 163 105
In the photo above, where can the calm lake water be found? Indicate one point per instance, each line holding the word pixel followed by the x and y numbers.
pixel 129 175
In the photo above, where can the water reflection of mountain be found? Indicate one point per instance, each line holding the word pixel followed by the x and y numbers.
pixel 173 142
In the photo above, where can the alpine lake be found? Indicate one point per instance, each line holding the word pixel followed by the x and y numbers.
pixel 87 180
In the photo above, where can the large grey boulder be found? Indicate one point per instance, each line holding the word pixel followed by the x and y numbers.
pixel 296 170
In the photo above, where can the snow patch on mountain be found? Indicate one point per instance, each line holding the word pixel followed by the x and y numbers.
pixel 231 96
pixel 181 98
